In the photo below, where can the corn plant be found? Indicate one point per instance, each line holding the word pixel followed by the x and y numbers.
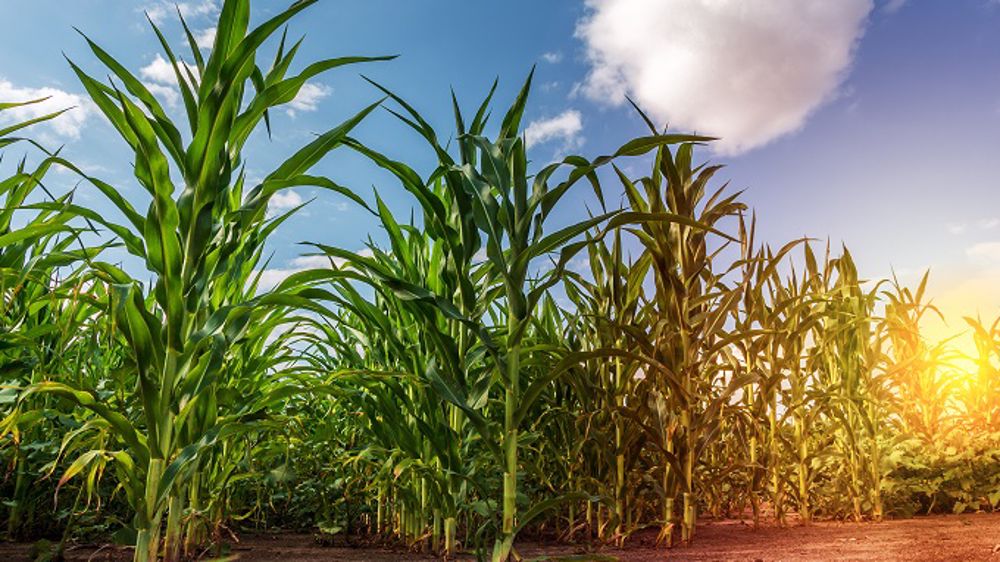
pixel 688 374
pixel 849 357
pixel 44 314
pixel 774 358
pixel 608 301
pixel 919 372
pixel 199 239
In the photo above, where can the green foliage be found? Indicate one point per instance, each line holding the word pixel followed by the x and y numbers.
pixel 953 476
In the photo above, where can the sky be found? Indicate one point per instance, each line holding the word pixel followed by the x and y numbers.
pixel 874 124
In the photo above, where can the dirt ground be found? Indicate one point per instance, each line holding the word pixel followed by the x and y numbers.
pixel 960 537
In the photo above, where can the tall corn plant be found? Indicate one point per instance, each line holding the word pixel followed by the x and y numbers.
pixel 425 437
pixel 201 235
pixel 790 322
pixel 689 373
pixel 775 356
pixel 850 359
pixel 918 372
pixel 608 302
pixel 426 311
pixel 499 205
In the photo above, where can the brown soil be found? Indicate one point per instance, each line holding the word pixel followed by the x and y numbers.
pixel 961 537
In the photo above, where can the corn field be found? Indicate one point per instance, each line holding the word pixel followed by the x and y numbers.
pixel 486 375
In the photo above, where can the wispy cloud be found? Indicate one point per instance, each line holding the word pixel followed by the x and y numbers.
pixel 988 223
pixel 308 98
pixel 553 57
pixel 893 6
pixel 984 252
pixel 748 71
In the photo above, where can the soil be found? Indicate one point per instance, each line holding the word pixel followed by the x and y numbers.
pixel 958 537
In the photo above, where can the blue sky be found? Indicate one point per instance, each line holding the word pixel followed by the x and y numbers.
pixel 876 124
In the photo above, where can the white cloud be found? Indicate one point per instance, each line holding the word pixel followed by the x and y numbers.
pixel 161 11
pixel 566 126
pixel 270 278
pixel 552 57
pixel 159 77
pixel 308 98
pixel 312 262
pixel 161 80
pixel 161 71
pixel 283 201
pixel 748 71
pixel 988 223
pixel 67 125
pixel 205 38
pixel 984 252
pixel 170 94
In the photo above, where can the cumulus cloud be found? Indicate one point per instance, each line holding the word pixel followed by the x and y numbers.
pixel 67 125
pixel 205 38
pixel 162 11
pixel 282 201
pixel 161 81
pixel 565 126
pixel 160 71
pixel 748 71
pixel 168 93
pixel 308 98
